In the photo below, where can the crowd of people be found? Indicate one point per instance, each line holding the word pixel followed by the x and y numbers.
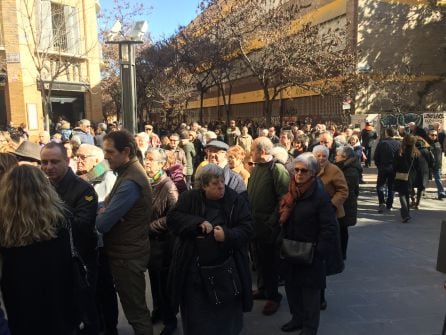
pixel 86 212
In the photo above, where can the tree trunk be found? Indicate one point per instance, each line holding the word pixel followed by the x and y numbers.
pixel 267 108
pixel 201 106
pixel 46 111
pixel 281 112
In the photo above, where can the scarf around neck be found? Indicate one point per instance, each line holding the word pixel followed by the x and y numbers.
pixel 295 192
pixel 156 177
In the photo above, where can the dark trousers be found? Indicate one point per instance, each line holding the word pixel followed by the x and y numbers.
pixel 384 185
pixel 89 311
pixel 368 154
pixel 304 305
pixel 343 230
pixel 128 275
pixel 404 201
pixel 160 296
pixel 107 299
pixel 267 260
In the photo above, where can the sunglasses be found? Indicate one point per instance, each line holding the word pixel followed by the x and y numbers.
pixel 301 171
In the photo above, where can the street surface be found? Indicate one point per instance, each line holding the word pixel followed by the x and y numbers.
pixel 390 285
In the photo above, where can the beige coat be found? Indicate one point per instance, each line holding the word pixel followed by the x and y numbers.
pixel 335 185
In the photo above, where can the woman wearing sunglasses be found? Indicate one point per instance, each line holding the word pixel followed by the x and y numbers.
pixel 306 215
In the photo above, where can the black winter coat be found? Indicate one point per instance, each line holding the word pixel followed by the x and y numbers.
pixel 425 164
pixel 312 220
pixel 82 201
pixel 183 221
pixel 37 287
pixel 352 172
pixel 405 164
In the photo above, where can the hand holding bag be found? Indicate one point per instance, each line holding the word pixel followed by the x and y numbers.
pixel 297 252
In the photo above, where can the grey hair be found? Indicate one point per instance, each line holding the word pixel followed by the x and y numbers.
pixel 83 121
pixel 263 143
pixel 206 174
pixel 145 136
pixel 346 151
pixel 309 160
pixel 321 148
pixel 93 150
pixel 162 156
pixel 280 154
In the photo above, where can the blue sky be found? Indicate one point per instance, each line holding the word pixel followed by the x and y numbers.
pixel 164 16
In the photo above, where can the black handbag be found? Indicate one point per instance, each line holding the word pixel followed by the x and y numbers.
pixel 297 252
pixel 221 282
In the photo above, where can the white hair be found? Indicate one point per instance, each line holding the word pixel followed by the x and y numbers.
pixel 280 154
pixel 93 150
pixel 321 148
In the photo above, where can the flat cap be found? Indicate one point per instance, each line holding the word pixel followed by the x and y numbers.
pixel 217 145
pixel 28 150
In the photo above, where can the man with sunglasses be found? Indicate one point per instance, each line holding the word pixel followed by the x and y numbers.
pixel 83 132
pixel 154 140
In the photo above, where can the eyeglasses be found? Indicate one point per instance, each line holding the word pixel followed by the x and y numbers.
pixel 251 164
pixel 301 171
pixel 83 157
pixel 433 135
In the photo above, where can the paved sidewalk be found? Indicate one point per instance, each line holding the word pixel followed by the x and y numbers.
pixel 389 286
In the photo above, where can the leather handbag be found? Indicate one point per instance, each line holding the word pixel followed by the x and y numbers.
pixel 297 252
pixel 221 282
pixel 404 176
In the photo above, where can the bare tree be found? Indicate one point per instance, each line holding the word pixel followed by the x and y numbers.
pixel 282 49
pixel 55 44
pixel 170 86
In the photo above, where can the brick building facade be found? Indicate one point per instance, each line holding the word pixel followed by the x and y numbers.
pixel 36 36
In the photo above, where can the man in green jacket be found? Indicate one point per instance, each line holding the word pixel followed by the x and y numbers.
pixel 267 184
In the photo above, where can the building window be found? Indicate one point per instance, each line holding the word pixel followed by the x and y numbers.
pixel 58 27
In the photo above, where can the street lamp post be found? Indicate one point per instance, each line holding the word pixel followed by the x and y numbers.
pixel 128 83
pixel 128 73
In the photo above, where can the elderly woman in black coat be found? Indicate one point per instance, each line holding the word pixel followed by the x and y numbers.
pixel 347 161
pixel 209 274
pixel 306 215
